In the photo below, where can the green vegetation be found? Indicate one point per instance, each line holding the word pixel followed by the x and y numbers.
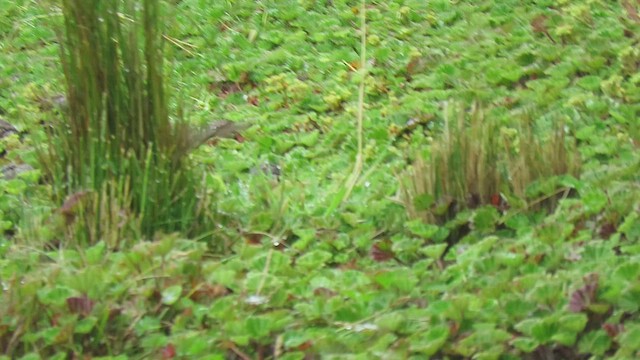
pixel 115 138
pixel 494 213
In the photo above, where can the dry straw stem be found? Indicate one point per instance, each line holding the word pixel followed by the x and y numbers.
pixel 357 168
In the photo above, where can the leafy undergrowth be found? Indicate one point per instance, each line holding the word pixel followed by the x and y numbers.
pixel 305 276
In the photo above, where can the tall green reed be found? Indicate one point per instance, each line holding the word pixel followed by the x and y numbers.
pixel 118 143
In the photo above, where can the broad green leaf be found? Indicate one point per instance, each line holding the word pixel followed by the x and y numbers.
pixel 95 254
pixel 423 201
pixel 154 341
pixel 430 342
pixel 421 229
pixel 257 327
pixel 594 200
pixel 525 344
pixel 573 323
pixel 433 251
pixel 51 335
pixel 295 338
pixel 391 321
pixel 171 294
pixel 628 340
pixel 147 324
pixel 564 337
pixel 314 259
pixel 85 325
pixel 54 296
pixel 401 279
pixel 544 330
pixel 595 342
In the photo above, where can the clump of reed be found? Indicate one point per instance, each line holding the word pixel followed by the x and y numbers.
pixel 117 142
pixel 477 161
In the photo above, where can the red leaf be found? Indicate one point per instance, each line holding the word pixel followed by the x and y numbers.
pixel 454 327
pixel 168 352
pixel 80 305
pixel 607 229
pixel 585 295
pixel 305 346
pixel 495 200
pixel 114 313
pixel 381 251
pixel 253 100
pixel 253 238
pixel 324 292
pixel 613 329
pixel 208 292
pixel 499 202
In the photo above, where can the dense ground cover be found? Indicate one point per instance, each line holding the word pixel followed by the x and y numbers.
pixel 304 275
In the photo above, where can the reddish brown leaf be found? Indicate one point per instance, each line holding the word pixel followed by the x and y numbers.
pixel 607 229
pixel 381 251
pixel 168 352
pixel 454 327
pixel 499 202
pixel 324 292
pixel 114 313
pixel 81 305
pixel 209 292
pixel 582 297
pixel 305 346
pixel 349 265
pixel 224 88
pixel 54 319
pixel 628 33
pixel 253 238
pixel 187 312
pixel 613 329
pixel 253 100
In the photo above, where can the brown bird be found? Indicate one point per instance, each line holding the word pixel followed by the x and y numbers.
pixel 191 138
pixel 218 129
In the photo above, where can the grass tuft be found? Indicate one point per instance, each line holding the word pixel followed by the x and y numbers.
pixel 477 162
pixel 118 139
